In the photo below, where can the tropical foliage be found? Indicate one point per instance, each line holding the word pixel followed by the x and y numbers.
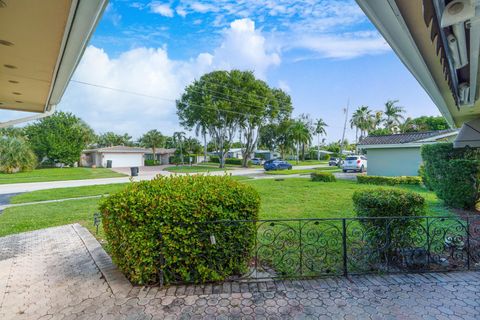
pixel 110 139
pixel 16 155
pixel 152 139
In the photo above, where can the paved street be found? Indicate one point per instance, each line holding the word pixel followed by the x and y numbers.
pixel 63 273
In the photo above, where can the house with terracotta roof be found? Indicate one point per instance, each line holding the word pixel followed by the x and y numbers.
pixel 400 154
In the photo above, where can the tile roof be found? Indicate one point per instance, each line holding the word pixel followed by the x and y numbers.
pixel 120 149
pixel 403 137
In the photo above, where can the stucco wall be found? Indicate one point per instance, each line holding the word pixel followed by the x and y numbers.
pixel 394 161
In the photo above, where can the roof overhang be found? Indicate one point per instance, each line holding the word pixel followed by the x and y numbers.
pixel 41 43
pixel 469 135
pixel 414 144
pixel 404 26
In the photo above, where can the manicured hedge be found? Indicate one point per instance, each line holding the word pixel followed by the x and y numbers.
pixel 389 181
pixel 233 161
pixel 454 174
pixel 157 225
pixel 322 176
pixel 380 202
pixel 151 162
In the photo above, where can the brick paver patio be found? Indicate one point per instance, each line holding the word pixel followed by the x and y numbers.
pixel 63 273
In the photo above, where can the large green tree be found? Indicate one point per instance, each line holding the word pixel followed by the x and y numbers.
pixel 425 123
pixel 231 103
pixel 152 139
pixel 59 138
pixel 110 139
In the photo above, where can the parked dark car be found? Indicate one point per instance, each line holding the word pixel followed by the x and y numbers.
pixel 334 161
pixel 257 161
pixel 276 164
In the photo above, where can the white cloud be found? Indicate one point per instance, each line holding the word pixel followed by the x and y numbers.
pixel 244 47
pixel 152 72
pixel 343 46
pixel 161 8
pixel 181 11
pixel 203 7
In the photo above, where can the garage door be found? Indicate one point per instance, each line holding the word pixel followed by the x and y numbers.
pixel 123 159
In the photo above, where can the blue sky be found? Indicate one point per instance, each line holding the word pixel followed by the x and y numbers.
pixel 322 52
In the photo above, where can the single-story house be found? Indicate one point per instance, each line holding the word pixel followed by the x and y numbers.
pixel 266 154
pixel 120 156
pixel 162 155
pixel 399 154
pixel 235 153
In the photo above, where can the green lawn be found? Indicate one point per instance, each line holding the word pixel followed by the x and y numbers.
pixel 58 174
pixel 302 171
pixel 192 169
pixel 301 198
pixel 64 193
pixel 287 199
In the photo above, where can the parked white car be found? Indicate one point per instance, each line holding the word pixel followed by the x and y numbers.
pixel 355 163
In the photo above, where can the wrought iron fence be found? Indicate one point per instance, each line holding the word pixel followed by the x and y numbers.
pixel 317 247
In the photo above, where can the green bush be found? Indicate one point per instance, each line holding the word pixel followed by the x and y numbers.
pixel 164 218
pixel 393 233
pixel 16 155
pixel 389 181
pixel 453 174
pixel 322 176
pixel 232 161
pixel 151 162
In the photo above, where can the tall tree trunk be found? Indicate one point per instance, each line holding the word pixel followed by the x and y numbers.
pixel 298 152
pixel 204 147
pixel 318 147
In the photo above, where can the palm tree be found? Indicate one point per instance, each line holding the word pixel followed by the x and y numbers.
pixel 152 139
pixel 16 155
pixel 393 114
pixel 377 119
pixel 320 130
pixel 300 134
pixel 361 120
pixel 177 140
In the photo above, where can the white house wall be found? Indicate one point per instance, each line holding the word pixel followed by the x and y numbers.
pixel 394 161
pixel 122 159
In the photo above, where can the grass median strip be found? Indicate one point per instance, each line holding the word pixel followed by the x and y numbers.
pixel 192 169
pixel 58 174
pixel 302 171
pixel 65 193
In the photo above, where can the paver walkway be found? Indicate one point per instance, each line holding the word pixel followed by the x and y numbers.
pixel 63 273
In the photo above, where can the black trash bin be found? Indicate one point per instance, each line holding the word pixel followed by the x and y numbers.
pixel 109 163
pixel 134 171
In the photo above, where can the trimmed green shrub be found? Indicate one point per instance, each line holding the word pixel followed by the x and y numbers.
pixel 389 181
pixel 322 176
pixel 16 155
pixel 454 174
pixel 232 161
pixel 167 217
pixel 151 162
pixel 394 233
